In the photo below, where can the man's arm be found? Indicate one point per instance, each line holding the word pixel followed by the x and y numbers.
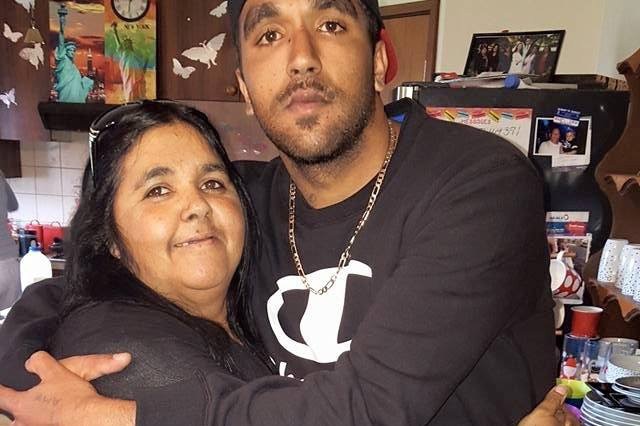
pixel 455 289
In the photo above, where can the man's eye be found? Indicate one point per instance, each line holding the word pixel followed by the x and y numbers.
pixel 212 185
pixel 331 27
pixel 157 192
pixel 270 36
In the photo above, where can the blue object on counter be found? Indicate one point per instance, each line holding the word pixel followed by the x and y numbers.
pixel 511 81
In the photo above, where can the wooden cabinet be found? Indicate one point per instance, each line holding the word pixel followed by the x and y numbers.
pixel 185 24
pixel 22 121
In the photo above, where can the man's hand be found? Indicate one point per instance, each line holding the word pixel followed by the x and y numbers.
pixel 551 411
pixel 64 395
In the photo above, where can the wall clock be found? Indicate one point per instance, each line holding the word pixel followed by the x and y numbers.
pixel 130 10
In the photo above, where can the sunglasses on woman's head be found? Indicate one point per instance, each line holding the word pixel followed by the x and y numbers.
pixel 107 120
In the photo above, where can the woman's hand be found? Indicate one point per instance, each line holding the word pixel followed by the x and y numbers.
pixel 551 411
pixel 64 395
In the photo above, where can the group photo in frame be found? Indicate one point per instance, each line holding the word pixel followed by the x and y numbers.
pixel 533 53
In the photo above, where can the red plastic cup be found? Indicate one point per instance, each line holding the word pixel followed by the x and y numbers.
pixel 585 321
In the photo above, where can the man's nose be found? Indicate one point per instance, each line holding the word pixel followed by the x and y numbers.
pixel 303 59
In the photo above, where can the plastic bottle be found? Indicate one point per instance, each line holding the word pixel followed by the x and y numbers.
pixel 34 267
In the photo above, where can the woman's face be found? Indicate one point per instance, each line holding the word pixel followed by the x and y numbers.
pixel 180 218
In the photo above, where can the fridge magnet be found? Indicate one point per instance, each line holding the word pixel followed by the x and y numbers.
pixel 10 35
pixel 76 37
pixel 206 52
pixel 220 10
pixel 513 124
pixel 567 145
pixel 178 69
pixel 130 50
pixel 569 256
pixel 574 223
pixel 8 98
pixel 34 55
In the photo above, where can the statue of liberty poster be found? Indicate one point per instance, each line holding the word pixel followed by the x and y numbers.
pixel 130 50
pixel 76 37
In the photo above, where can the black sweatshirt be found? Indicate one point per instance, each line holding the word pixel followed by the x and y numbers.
pixel 445 305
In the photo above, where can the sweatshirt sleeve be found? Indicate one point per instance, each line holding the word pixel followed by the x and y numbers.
pixel 450 297
pixel 31 322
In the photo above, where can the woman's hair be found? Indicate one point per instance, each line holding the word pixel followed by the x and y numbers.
pixel 94 275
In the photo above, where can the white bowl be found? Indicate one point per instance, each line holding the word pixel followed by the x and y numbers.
pixel 629 362
pixel 622 366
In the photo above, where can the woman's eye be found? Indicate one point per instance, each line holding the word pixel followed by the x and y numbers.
pixel 331 27
pixel 212 185
pixel 270 36
pixel 156 192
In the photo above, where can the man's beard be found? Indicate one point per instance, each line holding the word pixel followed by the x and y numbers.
pixel 342 135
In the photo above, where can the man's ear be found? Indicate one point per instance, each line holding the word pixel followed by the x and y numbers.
pixel 380 64
pixel 245 93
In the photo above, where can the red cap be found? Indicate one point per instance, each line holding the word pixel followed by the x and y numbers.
pixel 392 67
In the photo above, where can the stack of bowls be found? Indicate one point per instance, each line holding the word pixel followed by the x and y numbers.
pixel 630 388
pixel 595 412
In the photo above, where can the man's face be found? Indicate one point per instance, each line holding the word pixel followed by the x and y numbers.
pixel 309 73
pixel 555 135
pixel 570 136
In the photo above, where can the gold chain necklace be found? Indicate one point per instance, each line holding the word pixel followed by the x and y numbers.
pixel 346 255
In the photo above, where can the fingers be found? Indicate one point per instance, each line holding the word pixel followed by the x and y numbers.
pixel 90 367
pixel 44 365
pixel 554 400
pixel 7 399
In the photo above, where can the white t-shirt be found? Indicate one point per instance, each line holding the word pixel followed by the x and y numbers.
pixel 549 148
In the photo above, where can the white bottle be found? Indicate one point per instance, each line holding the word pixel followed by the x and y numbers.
pixel 34 267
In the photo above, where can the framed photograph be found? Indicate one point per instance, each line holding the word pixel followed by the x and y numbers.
pixel 566 145
pixel 532 53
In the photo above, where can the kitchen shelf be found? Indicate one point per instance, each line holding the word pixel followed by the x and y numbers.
pixel 629 308
pixel 623 182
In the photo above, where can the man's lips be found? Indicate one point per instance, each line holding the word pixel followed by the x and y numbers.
pixel 197 240
pixel 305 100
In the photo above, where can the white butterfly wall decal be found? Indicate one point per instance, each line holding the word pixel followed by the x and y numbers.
pixel 27 4
pixel 207 52
pixel 220 10
pixel 34 55
pixel 8 33
pixel 9 97
pixel 183 72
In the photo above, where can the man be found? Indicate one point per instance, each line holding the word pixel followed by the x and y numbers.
pixel 388 281
pixel 10 277
pixel 553 145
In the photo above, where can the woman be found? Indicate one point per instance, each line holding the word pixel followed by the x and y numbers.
pixel 9 266
pixel 517 58
pixel 160 252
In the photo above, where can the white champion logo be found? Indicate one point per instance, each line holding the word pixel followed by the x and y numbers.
pixel 320 323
